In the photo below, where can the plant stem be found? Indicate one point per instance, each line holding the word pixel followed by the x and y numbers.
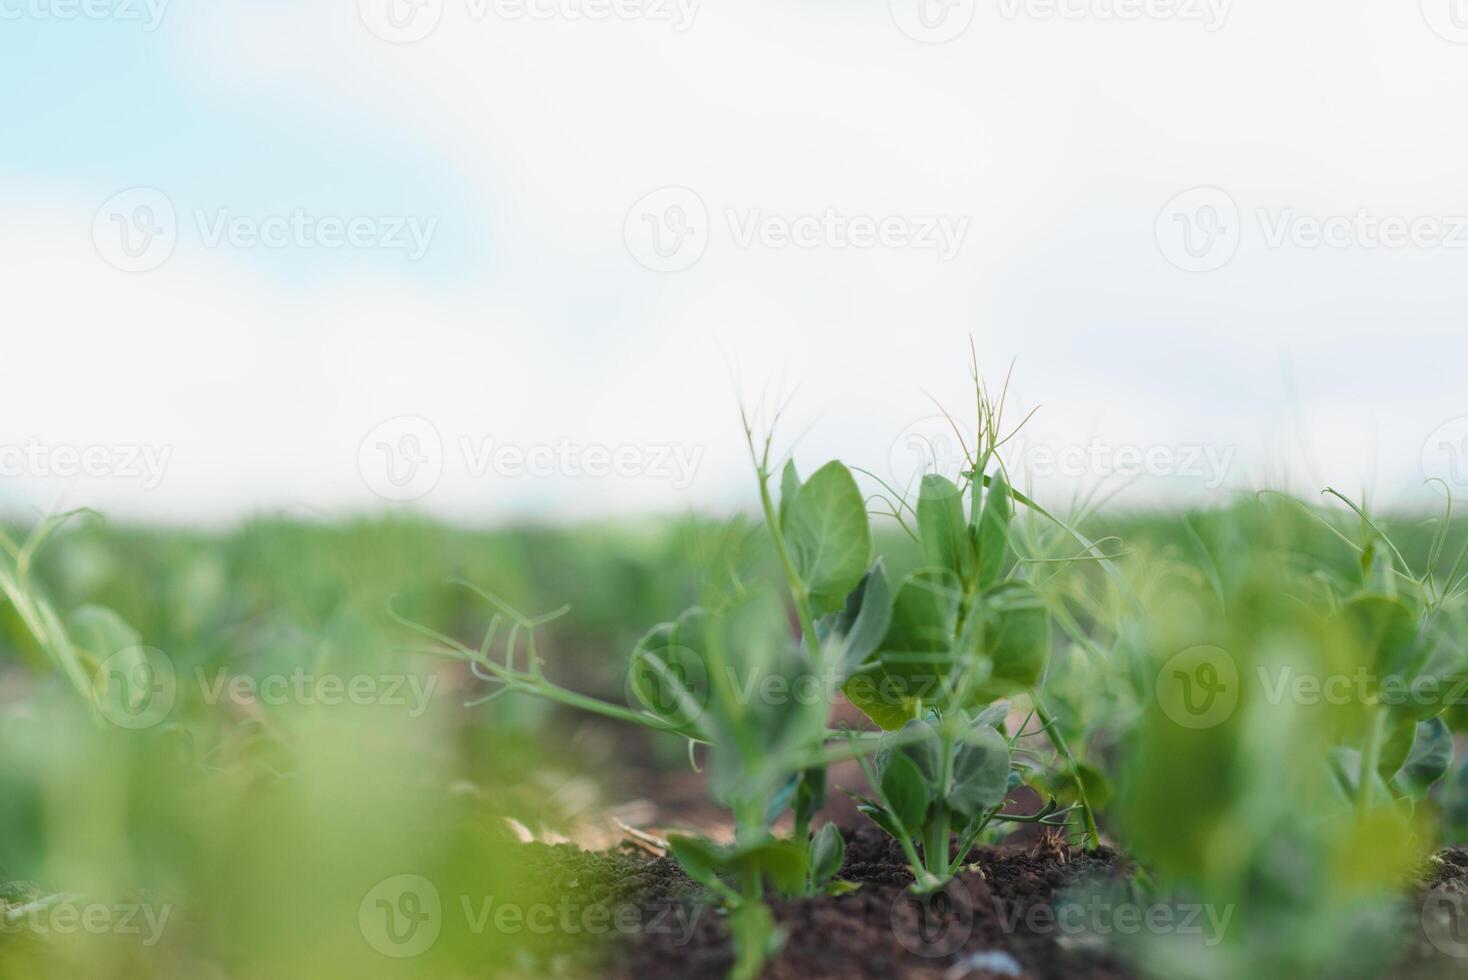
pixel 969 838
pixel 937 847
pixel 925 881
pixel 1093 836
pixel 798 590
pixel 1369 756
pixel 553 692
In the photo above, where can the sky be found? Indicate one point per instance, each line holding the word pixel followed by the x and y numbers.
pixel 510 259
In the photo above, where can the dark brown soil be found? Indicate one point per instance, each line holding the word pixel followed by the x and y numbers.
pixel 1436 921
pixel 979 927
pixel 993 922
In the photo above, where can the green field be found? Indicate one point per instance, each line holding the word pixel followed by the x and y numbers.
pixel 238 828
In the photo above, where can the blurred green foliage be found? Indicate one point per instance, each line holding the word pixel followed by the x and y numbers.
pixel 267 830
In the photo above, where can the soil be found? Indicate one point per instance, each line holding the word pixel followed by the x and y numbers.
pixel 1437 913
pixel 979 927
pixel 992 922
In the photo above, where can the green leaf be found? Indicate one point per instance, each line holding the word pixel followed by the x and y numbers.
pixel 915 655
pixel 1098 787
pixel 993 716
pixel 810 793
pixel 942 528
pixel 1345 766
pixel 1431 756
pixel 789 485
pixel 918 740
pixel 1436 677
pixel 864 620
pixel 1383 634
pixel 829 537
pixel 101 632
pixel 752 927
pixel 906 792
pixel 667 675
pixel 1010 627
pixel 827 852
pixel 980 772
pixel 880 817
pixel 1401 732
pixel 993 532
pixel 782 799
pixel 700 860
pixel 783 863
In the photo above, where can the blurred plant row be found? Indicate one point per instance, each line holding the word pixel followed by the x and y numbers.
pixel 1259 703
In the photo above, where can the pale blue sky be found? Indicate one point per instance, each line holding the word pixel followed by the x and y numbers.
pixel 101 105
pixel 1082 162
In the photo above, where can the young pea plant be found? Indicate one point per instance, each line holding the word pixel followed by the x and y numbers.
pixel 961 633
pixel 929 784
pixel 1402 628
pixel 770 755
pixel 78 644
pixel 707 676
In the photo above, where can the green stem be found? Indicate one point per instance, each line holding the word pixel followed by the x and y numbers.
pixel 856 746
pixel 925 881
pixel 969 838
pixel 1093 835
pixel 798 590
pixel 936 849
pixel 582 702
pixel 1369 756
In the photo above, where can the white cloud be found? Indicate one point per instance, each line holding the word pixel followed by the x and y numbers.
pixel 1058 141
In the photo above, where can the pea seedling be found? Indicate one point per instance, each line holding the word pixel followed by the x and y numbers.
pixel 705 676
pixel 1398 626
pixel 961 633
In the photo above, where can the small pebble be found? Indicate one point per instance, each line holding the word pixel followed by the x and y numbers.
pixel 993 961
